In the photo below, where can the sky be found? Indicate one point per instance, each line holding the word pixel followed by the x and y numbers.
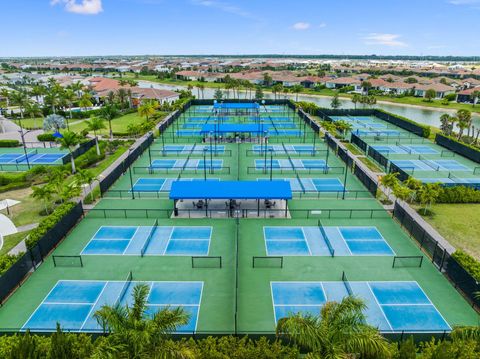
pixel 183 27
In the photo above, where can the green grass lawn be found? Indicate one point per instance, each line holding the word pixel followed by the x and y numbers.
pixel 459 224
pixel 119 124
pixel 11 241
pixel 30 123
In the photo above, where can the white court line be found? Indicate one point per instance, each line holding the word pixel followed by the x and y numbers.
pixel 93 306
pixel 379 306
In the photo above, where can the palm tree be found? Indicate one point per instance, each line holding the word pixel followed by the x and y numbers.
pixel 70 191
pixel 355 100
pixel 5 93
pixel 19 98
pixel 475 95
pixel 147 108
pixel 139 334
pixel 77 87
pixel 201 87
pixel 33 110
pixel 335 102
pixel 44 194
pixel 69 141
pixel 85 101
pixel 277 88
pixel 122 96
pixel 428 194
pixel 389 181
pixel 109 112
pixel 86 177
pixel 464 121
pixel 95 124
pixel 52 99
pixel 445 124
pixel 296 90
pixel 339 332
pixel 37 91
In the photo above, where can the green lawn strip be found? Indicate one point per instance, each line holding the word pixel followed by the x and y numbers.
pixel 459 224
pixel 11 241
pixel 370 164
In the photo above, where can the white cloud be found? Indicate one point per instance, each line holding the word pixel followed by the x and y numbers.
pixel 301 26
pixel 322 25
pixel 384 39
pixel 84 7
pixel 223 6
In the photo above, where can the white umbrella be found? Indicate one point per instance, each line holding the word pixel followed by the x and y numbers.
pixel 6 203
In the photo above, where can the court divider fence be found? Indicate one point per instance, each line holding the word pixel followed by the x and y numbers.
pixel 443 261
pixel 378 157
pixel 458 147
pixel 356 140
pixel 402 175
pixel 80 150
pixel 122 167
pixel 29 261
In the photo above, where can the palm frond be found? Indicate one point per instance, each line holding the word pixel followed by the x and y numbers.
pixel 303 329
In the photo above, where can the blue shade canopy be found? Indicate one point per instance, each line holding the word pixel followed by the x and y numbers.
pixel 57 135
pixel 235 106
pixel 235 127
pixel 275 189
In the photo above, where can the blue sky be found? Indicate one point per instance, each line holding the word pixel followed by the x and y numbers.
pixel 127 27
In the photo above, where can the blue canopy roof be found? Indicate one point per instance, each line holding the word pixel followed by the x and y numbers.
pixel 275 189
pixel 235 127
pixel 233 106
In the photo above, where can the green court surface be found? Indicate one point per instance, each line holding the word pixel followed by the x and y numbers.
pixel 237 298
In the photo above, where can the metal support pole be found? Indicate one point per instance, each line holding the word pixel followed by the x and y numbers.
pixel 345 179
pixel 204 165
pixel 131 180
pixel 271 164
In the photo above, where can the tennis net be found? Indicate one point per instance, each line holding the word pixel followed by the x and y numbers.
pixel 300 182
pixel 428 163
pixel 347 284
pixel 405 148
pixel 24 157
pixel 149 238
pixel 454 178
pixel 128 280
pixel 325 237
pixel 288 155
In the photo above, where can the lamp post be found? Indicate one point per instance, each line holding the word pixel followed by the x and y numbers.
pixel 211 153
pixel 130 173
pixel 345 178
pixel 24 145
pixel 205 164
pixel 271 163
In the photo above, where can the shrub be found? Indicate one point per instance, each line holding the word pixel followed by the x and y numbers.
pixel 46 137
pixel 48 223
pixel 450 97
pixel 470 264
pixel 9 143
pixel 459 194
pixel 7 260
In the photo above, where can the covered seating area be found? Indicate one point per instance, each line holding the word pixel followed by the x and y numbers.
pixel 231 198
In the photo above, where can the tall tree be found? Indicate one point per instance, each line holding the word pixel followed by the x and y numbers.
pixel 69 141
pixel 96 124
pixel 339 332
pixel 142 335
pixel 44 194
pixel 296 89
pixel 335 102
pixel 148 108
pixel 109 112
pixel 355 99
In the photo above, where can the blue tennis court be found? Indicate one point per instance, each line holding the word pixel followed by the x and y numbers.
pixel 236 106
pixel 387 133
pixel 290 164
pixel 406 149
pixel 391 306
pixel 73 303
pixel 203 120
pixel 313 184
pixel 188 149
pixel 188 133
pixel 188 164
pixel 32 157
pixel 316 241
pixel 453 181
pixel 161 184
pixel 430 165
pixel 286 149
pixel 150 240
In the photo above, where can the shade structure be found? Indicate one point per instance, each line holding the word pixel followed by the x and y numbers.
pixel 222 128
pixel 274 189
pixel 235 106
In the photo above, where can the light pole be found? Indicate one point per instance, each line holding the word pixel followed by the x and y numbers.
pixel 24 145
pixel 205 164
pixel 211 153
pixel 271 163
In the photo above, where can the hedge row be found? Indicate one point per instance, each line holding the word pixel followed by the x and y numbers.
pixel 46 137
pixel 48 223
pixel 425 128
pixel 470 264
pixel 459 194
pixel 9 143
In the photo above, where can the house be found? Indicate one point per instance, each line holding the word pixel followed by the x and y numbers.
pixel 396 88
pixel 342 82
pixel 441 90
pixel 465 96
pixel 140 94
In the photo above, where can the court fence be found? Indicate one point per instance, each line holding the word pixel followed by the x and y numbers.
pixel 122 167
pixel 458 147
pixel 310 213
pixel 440 257
pixel 80 150
pixel 378 157
pixel 29 261
pixel 356 140
pixel 402 174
